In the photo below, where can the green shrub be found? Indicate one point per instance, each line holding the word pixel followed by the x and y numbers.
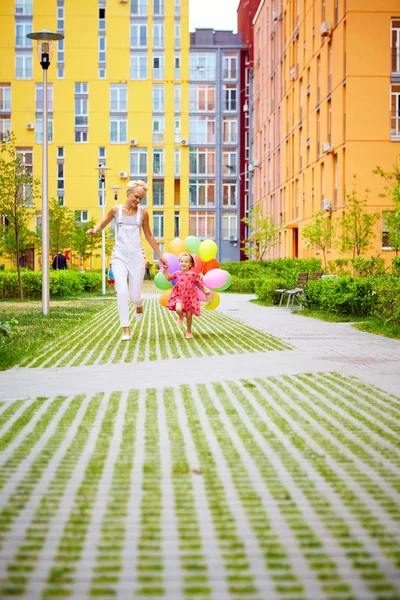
pixel 62 283
pixel 340 267
pixel 368 267
pixel 266 289
pixel 387 299
pixel 342 296
pixel 242 285
pixel 396 266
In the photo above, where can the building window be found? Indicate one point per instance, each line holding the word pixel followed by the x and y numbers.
pixel 138 68
pixel 202 98
pixel 203 66
pixel 158 8
pixel 177 38
pixel 229 65
pixel 229 194
pixel 158 193
pixel 202 224
pixel 158 130
pixel 158 225
pixel 177 98
pixel 39 112
pixel 395 42
pixel 60 43
pixel 23 66
pixel 202 130
pixel 5 126
pixel 102 156
pixel 118 98
pixel 177 130
pixel 201 192
pixel 177 162
pixel 22 28
pixel 229 98
pixel 177 223
pixel 229 163
pixel 138 162
pixel 202 161
pixel 177 8
pixel 158 66
pixel 395 112
pixel 177 72
pixel 5 98
pixel 118 130
pixel 60 170
pixel 229 130
pixel 229 226
pixel 138 7
pixel 26 156
pixel 158 161
pixel 23 7
pixel 81 112
pixel 82 216
pixel 138 35
pixel 102 51
pixel 158 35
pixel 158 98
pixel 61 201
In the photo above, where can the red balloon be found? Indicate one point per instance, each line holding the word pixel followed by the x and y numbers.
pixel 210 264
pixel 198 263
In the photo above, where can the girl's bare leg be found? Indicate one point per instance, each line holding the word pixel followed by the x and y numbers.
pixel 127 331
pixel 189 318
pixel 179 311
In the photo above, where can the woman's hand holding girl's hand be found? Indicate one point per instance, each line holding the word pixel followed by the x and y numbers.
pixel 91 232
pixel 164 263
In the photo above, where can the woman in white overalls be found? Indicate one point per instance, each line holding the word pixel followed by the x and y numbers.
pixel 128 257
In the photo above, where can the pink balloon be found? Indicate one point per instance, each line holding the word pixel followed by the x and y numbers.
pixel 198 263
pixel 173 262
pixel 202 297
pixel 215 278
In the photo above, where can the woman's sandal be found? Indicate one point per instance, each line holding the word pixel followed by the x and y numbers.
pixel 189 335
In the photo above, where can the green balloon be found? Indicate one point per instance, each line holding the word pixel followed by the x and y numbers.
pixel 162 282
pixel 226 284
pixel 192 244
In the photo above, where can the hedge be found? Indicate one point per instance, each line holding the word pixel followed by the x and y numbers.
pixel 62 283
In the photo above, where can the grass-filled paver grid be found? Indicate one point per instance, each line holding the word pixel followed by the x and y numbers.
pixel 299 477
pixel 157 337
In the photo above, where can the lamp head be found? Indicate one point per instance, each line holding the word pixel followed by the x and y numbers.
pixel 45 45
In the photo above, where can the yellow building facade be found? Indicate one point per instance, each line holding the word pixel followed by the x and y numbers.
pixel 118 95
pixel 329 72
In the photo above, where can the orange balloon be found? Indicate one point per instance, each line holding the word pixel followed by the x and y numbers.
pixel 176 246
pixel 210 264
pixel 198 263
pixel 165 297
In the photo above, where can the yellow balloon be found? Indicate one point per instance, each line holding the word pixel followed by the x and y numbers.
pixel 214 302
pixel 207 250
pixel 165 297
pixel 176 246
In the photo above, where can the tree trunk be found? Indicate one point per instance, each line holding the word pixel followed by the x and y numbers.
pixel 21 294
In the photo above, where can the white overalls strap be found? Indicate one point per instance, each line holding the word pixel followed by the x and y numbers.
pixel 118 220
pixel 139 217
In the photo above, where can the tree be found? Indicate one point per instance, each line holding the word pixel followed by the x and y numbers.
pixel 320 232
pixel 85 245
pixel 391 217
pixel 61 227
pixel 264 233
pixel 357 233
pixel 18 191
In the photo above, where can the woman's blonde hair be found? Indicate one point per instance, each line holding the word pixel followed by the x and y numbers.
pixel 139 185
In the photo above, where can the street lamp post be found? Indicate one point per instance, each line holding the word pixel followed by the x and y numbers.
pixel 45 47
pixel 102 175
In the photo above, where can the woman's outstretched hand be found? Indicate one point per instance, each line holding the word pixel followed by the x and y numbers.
pixel 164 262
pixel 91 232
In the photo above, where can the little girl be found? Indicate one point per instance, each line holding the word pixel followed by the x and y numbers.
pixel 184 299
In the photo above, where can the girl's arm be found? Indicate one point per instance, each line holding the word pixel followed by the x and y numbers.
pixel 151 239
pixel 201 286
pixel 171 276
pixel 107 219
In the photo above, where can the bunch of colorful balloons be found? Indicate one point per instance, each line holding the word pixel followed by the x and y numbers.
pixel 204 253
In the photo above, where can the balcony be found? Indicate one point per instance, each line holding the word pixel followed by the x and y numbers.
pixel 395 125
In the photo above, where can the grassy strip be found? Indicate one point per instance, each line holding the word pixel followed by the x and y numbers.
pixel 338 527
pixel 325 567
pixel 281 571
pixel 241 583
pixel 73 537
pixel 20 423
pixel 35 330
pixel 10 411
pixel 113 528
pixel 28 552
pixel 368 324
pixel 150 564
pixel 193 562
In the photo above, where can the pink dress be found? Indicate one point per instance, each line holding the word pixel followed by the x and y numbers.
pixel 184 291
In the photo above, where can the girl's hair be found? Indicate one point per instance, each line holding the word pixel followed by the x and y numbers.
pixel 139 185
pixel 189 255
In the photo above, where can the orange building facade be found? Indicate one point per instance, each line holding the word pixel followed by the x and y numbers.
pixel 326 107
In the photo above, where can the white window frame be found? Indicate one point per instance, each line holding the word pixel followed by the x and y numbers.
pixel 22 28
pixel 159 185
pixel 229 194
pixel 158 169
pixel 102 49
pixel 83 113
pixel 136 35
pixel 120 126
pixel 158 72
pixel 395 112
pixel 206 104
pixel 201 193
pixel 229 157
pixel 39 129
pixel 202 130
pixel 81 137
pixel 23 7
pixel 158 225
pixel 177 35
pixel 139 8
pixel 229 226
pixel 5 126
pixel 230 130
pixel 39 98
pixel 395 45
pixel 208 227
pixel 177 65
pixel 158 98
pixel 158 130
pixel 141 161
pixel 177 98
pixel 5 98
pixel 137 61
pixel 177 8
pixel 118 98
pixel 229 98
pixel 158 11
pixel 60 178
pixel 158 35
pixel 177 162
pixel 230 67
pixel 177 130
pixel 203 161
pixel 203 66
pixel 26 70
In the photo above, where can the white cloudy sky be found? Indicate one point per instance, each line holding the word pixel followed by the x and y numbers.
pixel 216 14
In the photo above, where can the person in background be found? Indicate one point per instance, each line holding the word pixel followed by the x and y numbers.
pixel 147 270
pixel 110 279
pixel 60 262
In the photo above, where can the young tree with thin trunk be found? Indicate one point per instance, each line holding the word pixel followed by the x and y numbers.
pixel 357 233
pixel 264 233
pixel 61 227
pixel 18 191
pixel 319 234
pixel 85 245
pixel 391 216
